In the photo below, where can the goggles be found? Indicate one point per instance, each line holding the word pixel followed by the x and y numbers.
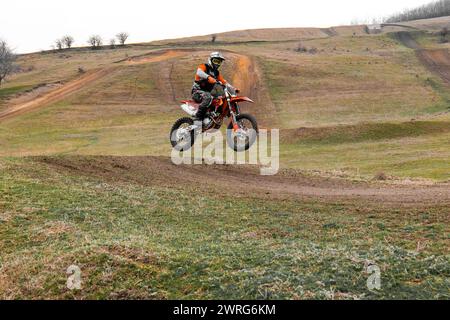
pixel 217 61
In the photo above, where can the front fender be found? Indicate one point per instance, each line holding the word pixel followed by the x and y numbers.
pixel 242 99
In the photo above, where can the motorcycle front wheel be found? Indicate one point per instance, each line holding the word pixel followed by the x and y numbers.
pixel 243 139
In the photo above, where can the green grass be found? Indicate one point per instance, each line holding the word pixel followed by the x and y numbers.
pixel 9 91
pixel 430 40
pixel 443 104
pixel 369 132
pixel 132 241
pixel 137 132
pixel 408 157
pixel 350 110
pixel 317 90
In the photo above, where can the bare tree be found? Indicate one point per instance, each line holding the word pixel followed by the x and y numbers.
pixel 92 41
pixel 99 41
pixel 7 58
pixel 95 41
pixel 112 43
pixel 67 41
pixel 59 44
pixel 434 9
pixel 122 37
pixel 444 33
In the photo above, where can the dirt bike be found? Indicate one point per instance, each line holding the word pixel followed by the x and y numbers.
pixel 242 128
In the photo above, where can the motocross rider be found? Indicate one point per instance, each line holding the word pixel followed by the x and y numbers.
pixel 208 84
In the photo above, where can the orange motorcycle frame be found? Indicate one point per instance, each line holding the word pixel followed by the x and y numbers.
pixel 230 111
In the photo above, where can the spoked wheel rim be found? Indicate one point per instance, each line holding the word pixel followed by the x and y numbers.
pixel 181 137
pixel 182 133
pixel 243 135
pixel 243 138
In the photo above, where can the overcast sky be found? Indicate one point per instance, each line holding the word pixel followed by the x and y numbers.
pixel 30 25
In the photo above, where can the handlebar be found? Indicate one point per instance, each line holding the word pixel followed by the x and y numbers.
pixel 225 86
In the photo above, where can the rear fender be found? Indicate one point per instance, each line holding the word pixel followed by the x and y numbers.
pixel 189 109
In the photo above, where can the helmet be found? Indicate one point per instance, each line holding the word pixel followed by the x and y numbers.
pixel 216 59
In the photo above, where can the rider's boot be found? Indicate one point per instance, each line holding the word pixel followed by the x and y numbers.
pixel 202 109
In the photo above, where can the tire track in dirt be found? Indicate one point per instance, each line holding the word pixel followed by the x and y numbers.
pixel 248 78
pixel 435 60
pixel 245 181
pixel 154 57
pixel 165 82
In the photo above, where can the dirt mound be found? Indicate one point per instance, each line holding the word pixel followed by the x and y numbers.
pixel 364 132
pixel 30 94
pixel 243 181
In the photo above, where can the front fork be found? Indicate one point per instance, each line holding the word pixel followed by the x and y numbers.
pixel 233 116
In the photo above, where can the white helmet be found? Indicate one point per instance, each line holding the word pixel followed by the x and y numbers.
pixel 216 59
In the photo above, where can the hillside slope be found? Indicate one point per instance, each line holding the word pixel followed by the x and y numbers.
pixel 346 80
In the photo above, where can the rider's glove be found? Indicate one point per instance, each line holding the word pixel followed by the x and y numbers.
pixel 237 90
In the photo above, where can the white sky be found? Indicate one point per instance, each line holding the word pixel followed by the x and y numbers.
pixel 31 25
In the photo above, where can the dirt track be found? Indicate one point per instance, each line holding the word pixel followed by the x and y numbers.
pixel 436 60
pixel 245 181
pixel 154 57
pixel 248 78
pixel 55 95
pixel 406 39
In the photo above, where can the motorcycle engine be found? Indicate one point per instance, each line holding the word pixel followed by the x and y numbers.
pixel 209 122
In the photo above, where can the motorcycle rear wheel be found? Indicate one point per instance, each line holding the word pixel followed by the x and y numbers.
pixel 182 141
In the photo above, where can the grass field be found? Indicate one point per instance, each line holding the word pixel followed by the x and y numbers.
pixel 134 241
pixel 352 107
